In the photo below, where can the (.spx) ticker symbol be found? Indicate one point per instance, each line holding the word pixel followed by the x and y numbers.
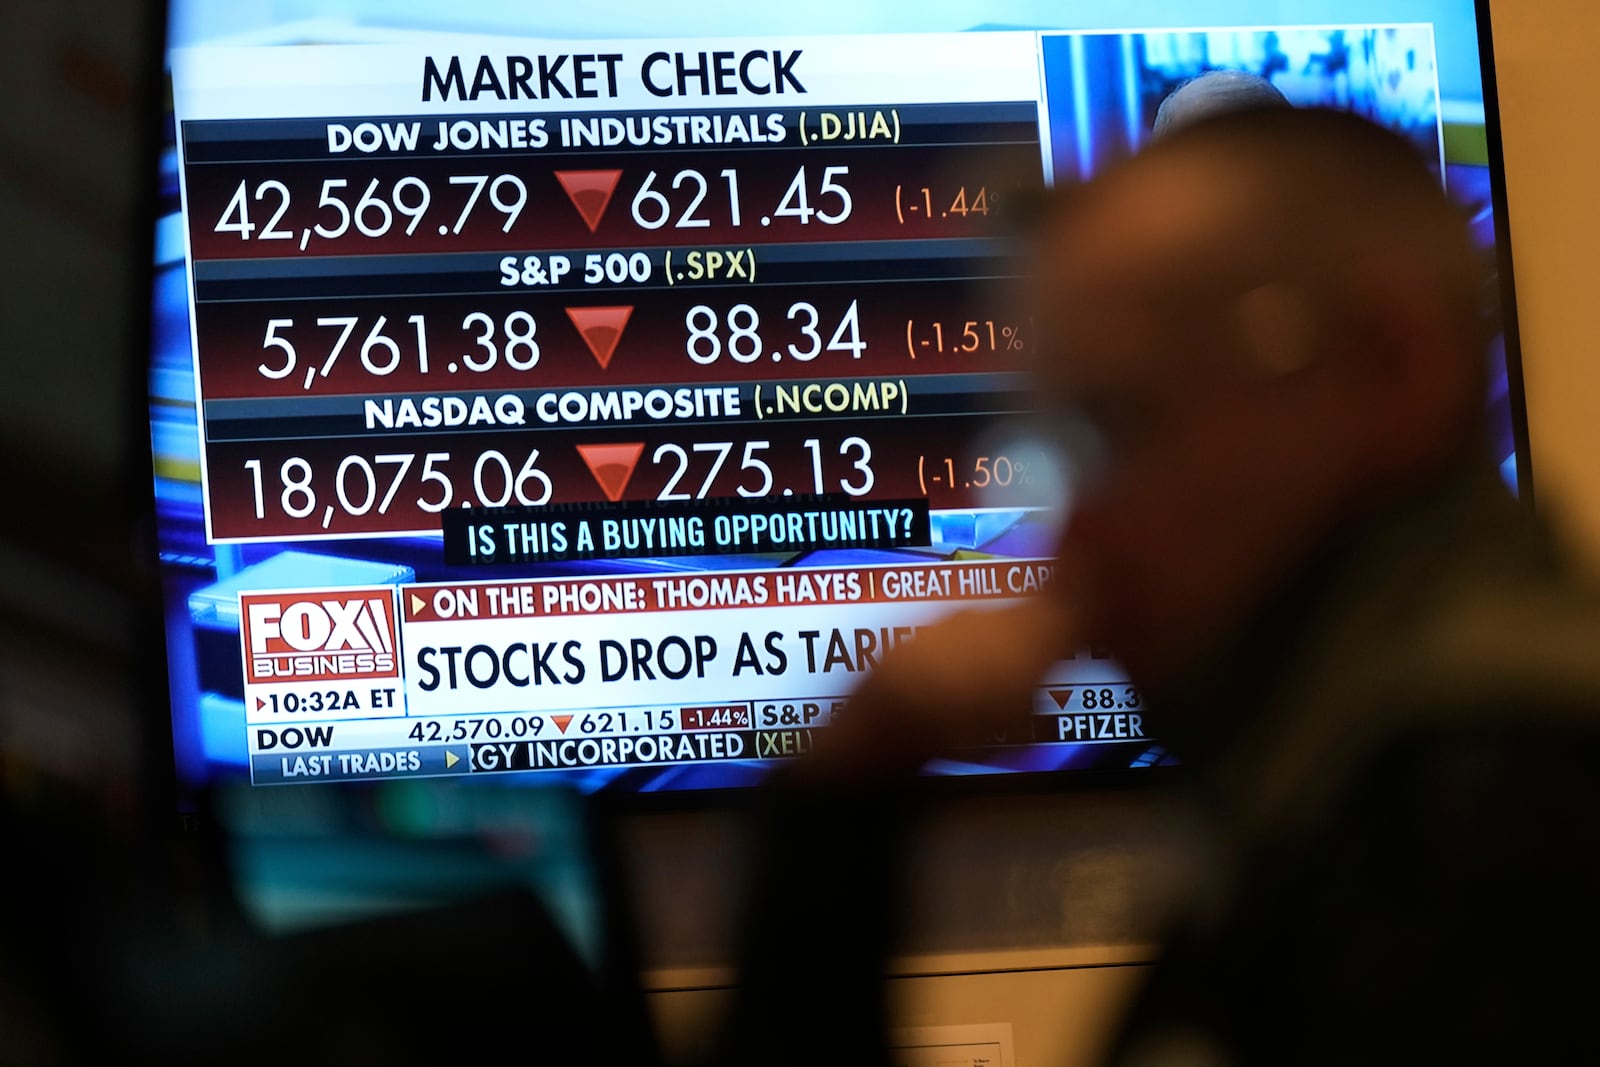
pixel 590 192
pixel 612 465
pixel 601 328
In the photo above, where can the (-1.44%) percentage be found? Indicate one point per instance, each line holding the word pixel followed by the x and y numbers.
pixel 916 203
pixel 968 337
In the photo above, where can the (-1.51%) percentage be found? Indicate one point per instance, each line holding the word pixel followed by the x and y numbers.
pixel 972 335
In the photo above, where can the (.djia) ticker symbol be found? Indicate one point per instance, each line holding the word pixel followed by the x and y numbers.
pixel 601 329
pixel 612 465
pixel 590 192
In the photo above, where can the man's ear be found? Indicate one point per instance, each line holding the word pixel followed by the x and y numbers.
pixel 1404 372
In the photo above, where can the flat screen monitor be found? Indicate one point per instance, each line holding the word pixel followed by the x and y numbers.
pixel 592 394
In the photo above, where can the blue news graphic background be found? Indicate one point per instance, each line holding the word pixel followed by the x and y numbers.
pixel 201 580
pixel 1103 93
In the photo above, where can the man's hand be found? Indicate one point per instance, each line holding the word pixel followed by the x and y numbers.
pixel 959 682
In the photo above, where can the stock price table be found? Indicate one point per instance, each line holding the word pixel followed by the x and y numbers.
pixel 397 314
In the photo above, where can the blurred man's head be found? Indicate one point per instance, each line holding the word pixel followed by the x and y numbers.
pixel 1267 326
pixel 1213 93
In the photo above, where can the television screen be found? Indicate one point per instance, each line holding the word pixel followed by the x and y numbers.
pixel 592 395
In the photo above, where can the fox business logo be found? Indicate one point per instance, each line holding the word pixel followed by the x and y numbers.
pixel 314 637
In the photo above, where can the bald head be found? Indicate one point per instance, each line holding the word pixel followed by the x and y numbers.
pixel 1213 93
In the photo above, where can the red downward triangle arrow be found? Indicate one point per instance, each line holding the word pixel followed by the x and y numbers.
pixel 612 465
pixel 590 192
pixel 1061 697
pixel 561 721
pixel 601 329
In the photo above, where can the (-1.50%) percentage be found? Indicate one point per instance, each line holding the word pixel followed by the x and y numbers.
pixel 972 335
pixel 981 472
